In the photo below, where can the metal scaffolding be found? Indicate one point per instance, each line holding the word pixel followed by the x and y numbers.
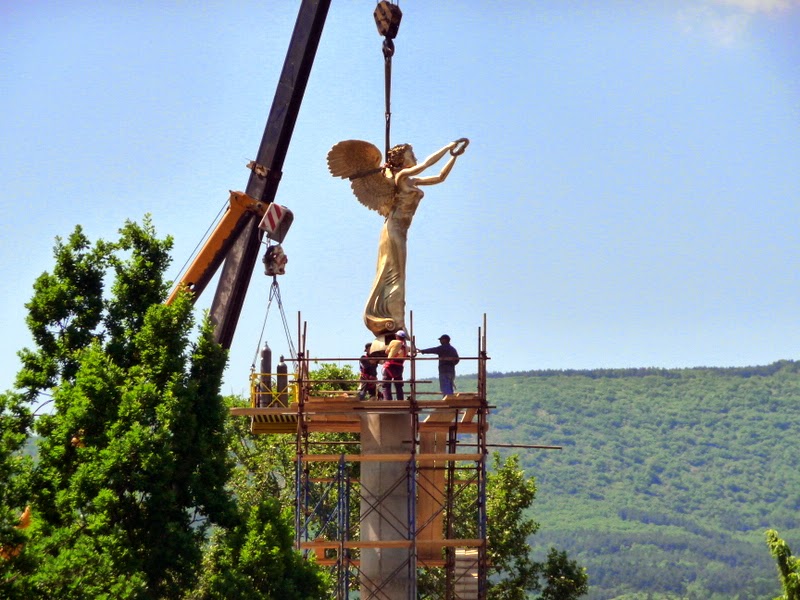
pixel 421 509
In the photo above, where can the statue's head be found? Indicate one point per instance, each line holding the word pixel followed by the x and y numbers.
pixel 401 156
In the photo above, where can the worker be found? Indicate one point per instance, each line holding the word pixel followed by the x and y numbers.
pixel 448 359
pixel 396 353
pixel 367 374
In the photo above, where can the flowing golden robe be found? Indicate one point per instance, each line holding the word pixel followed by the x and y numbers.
pixel 386 305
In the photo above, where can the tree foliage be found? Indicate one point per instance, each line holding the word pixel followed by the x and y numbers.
pixel 332 377
pixel 508 495
pixel 788 566
pixel 666 479
pixel 563 578
pixel 513 572
pixel 15 422
pixel 257 560
pixel 133 459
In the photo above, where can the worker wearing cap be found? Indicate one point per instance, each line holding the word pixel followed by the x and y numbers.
pixel 448 359
pixel 396 353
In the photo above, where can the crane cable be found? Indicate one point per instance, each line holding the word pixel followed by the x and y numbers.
pixel 275 294
pixel 388 52
pixel 387 18
pixel 204 237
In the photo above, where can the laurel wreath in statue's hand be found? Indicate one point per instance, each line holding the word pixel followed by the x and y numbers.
pixel 460 145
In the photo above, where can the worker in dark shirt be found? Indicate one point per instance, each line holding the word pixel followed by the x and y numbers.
pixel 448 359
pixel 368 374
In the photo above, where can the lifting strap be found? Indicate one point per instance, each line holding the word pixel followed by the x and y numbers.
pixel 275 294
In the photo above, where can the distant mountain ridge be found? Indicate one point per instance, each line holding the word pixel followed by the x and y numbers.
pixel 667 478
pixel 762 371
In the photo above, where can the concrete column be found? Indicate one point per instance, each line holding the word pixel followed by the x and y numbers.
pixel 385 518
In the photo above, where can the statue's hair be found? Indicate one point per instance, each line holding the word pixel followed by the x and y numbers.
pixel 395 156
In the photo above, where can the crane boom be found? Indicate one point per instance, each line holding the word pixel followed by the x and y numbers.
pixel 237 238
pixel 265 175
pixel 216 248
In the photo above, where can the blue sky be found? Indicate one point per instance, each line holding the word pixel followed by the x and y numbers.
pixel 629 197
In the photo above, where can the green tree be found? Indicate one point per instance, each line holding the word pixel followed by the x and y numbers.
pixel 15 423
pixel 133 459
pixel 333 377
pixel 257 560
pixel 564 579
pixel 509 496
pixel 264 478
pixel 788 566
pixel 513 573
pixel 241 562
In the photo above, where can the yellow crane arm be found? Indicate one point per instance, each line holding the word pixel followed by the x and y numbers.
pixel 213 252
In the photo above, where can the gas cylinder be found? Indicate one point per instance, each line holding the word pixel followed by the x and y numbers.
pixel 265 385
pixel 282 376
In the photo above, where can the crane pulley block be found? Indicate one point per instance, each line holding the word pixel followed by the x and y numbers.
pixel 275 260
pixel 387 18
pixel 275 221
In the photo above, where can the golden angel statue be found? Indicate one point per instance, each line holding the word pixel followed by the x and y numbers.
pixel 393 190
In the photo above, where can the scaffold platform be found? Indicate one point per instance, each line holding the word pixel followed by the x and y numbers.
pixel 377 514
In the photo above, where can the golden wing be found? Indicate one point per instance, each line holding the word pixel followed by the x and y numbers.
pixel 360 162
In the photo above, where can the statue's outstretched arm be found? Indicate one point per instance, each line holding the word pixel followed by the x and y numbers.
pixel 456 148
pixel 434 179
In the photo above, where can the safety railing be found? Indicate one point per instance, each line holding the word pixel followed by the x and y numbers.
pixel 273 390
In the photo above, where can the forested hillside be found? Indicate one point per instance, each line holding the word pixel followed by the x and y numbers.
pixel 667 478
